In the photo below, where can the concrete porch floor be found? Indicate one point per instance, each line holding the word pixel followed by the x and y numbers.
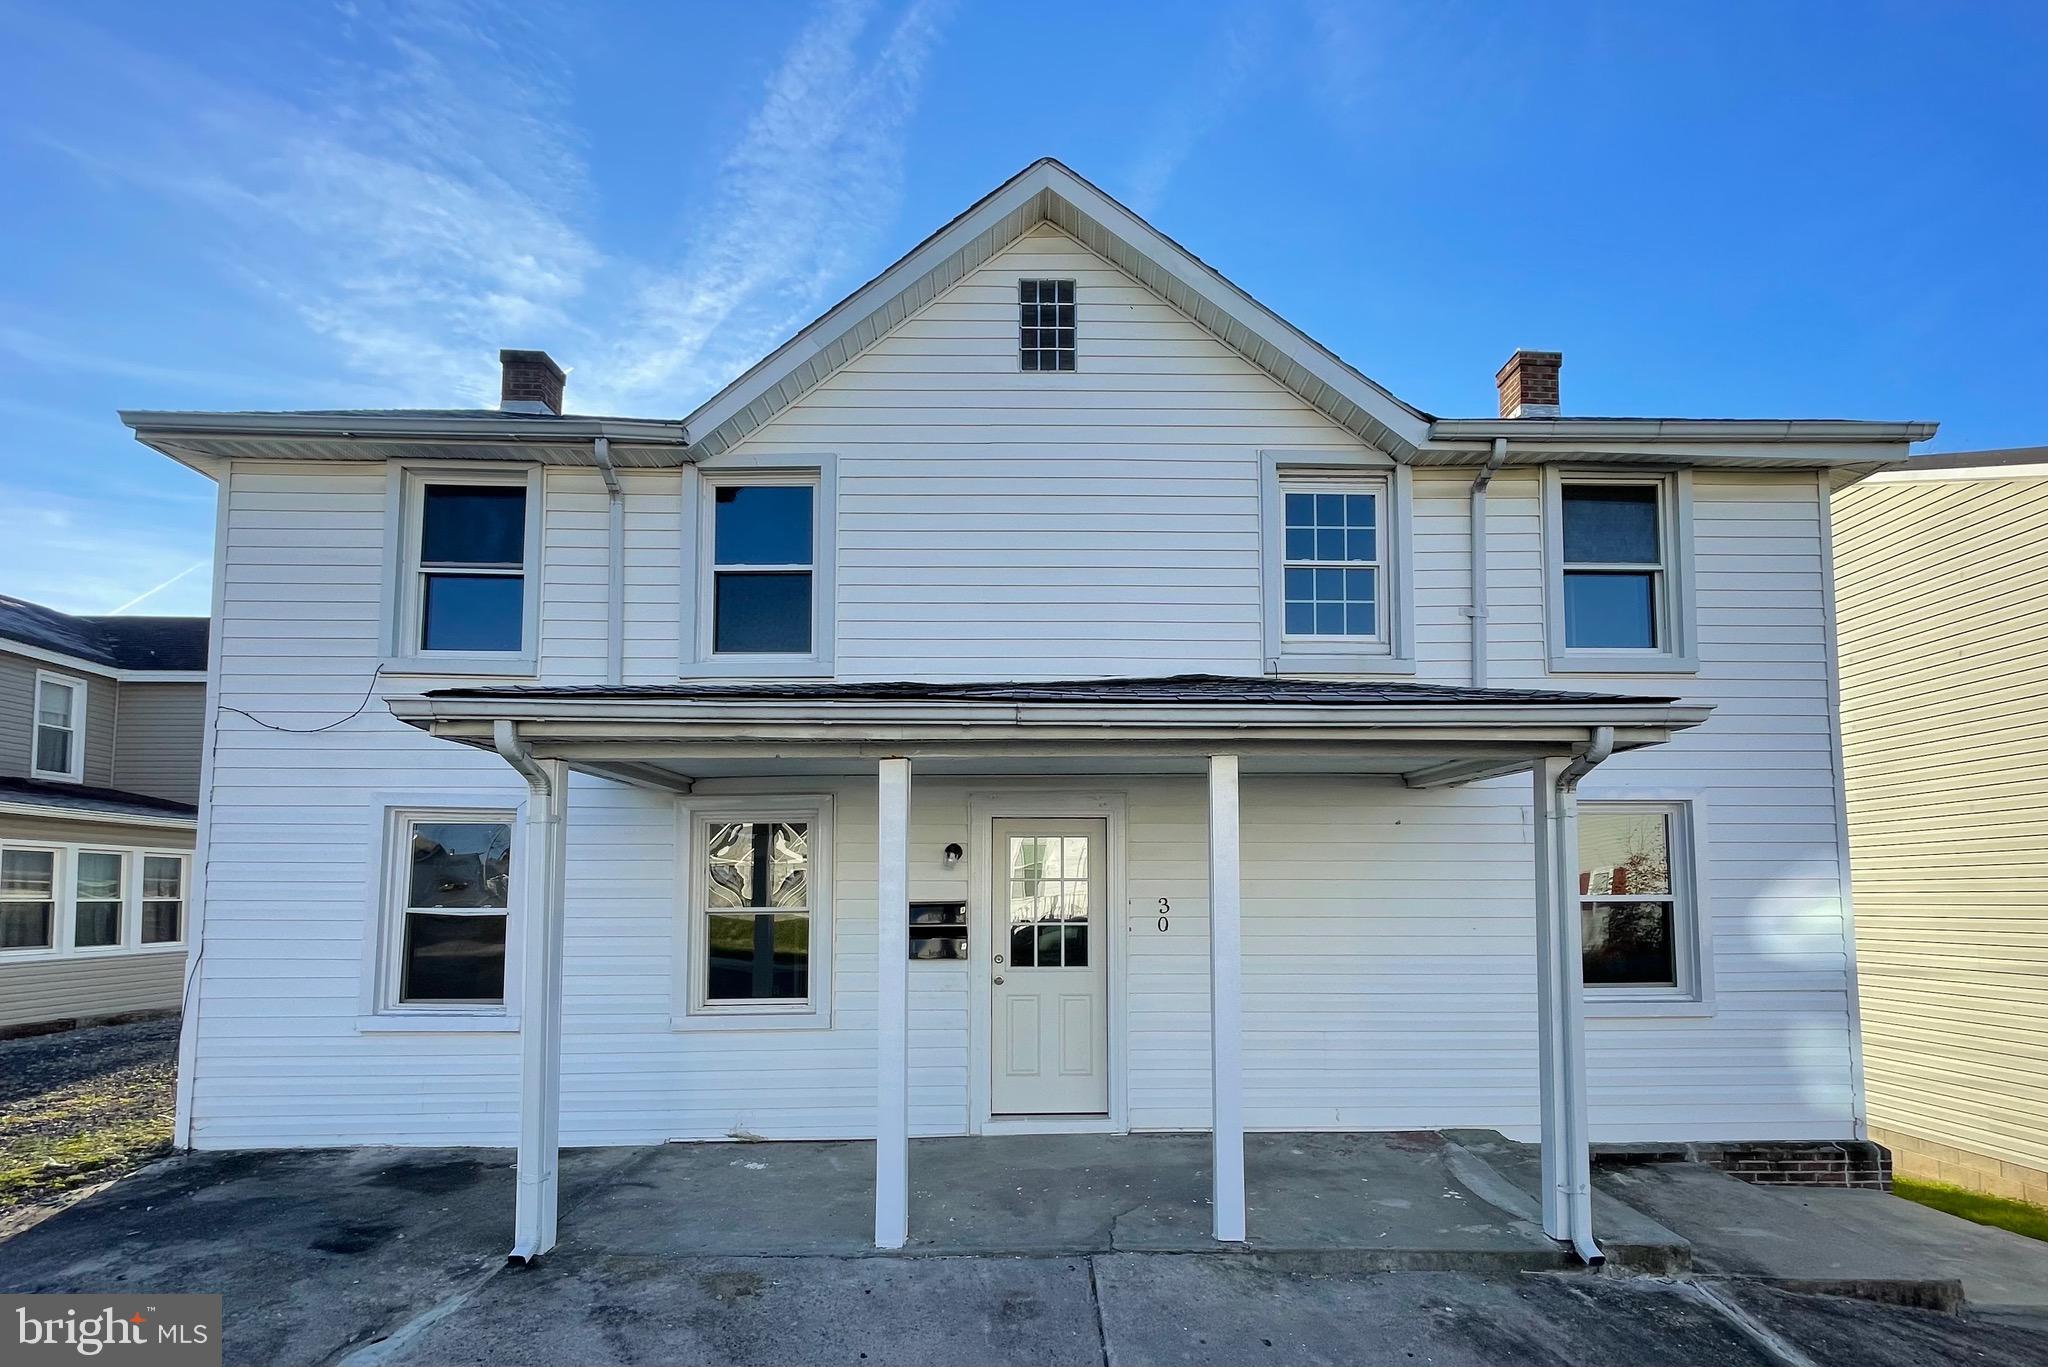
pixel 1378 1202
pixel 377 1257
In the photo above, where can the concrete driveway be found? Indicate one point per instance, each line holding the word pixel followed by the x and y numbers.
pixel 369 1256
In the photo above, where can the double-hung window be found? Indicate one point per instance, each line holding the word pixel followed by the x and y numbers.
pixel 1331 580
pixel 98 886
pixel 1045 324
pixel 468 571
pixel 762 537
pixel 28 899
pixel 59 744
pixel 761 551
pixel 1617 572
pixel 1638 900
pixel 163 899
pixel 450 898
pixel 1332 537
pixel 759 936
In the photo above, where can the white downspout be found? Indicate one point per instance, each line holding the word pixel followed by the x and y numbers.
pixel 615 561
pixel 1564 865
pixel 1477 612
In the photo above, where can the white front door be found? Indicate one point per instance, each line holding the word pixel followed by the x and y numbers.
pixel 1050 993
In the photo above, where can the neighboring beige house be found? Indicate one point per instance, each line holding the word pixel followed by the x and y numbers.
pixel 101 721
pixel 1942 592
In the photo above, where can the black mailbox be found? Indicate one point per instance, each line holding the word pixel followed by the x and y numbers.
pixel 938 930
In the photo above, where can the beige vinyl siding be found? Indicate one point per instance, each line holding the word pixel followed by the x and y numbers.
pixel 158 737
pixel 78 987
pixel 17 713
pixel 1943 597
pixel 82 988
pixel 17 717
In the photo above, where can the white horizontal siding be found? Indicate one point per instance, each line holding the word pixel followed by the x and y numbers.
pixel 1000 525
pixel 1943 615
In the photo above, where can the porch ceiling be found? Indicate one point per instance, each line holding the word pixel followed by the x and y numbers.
pixel 674 736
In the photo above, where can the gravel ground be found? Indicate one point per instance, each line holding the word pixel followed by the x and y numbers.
pixel 82 1106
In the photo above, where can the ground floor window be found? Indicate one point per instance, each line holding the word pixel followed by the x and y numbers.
pixel 450 900
pixel 62 899
pixel 1638 904
pixel 758 933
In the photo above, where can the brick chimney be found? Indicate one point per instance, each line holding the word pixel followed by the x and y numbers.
pixel 1528 384
pixel 532 383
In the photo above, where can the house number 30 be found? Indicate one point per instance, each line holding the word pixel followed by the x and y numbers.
pixel 1165 910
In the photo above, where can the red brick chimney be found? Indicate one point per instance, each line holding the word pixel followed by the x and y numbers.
pixel 1528 384
pixel 532 383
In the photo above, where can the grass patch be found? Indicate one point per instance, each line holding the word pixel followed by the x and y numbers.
pixel 33 1168
pixel 1999 1212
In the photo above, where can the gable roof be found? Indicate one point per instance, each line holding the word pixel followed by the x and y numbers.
pixel 133 643
pixel 1045 192
pixel 1049 192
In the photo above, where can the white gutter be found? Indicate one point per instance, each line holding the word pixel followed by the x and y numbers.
pixel 1576 1141
pixel 1477 612
pixel 1681 429
pixel 56 813
pixel 615 561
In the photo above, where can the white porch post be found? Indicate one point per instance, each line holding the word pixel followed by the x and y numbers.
pixel 1560 1015
pixel 1226 990
pixel 540 1008
pixel 892 1007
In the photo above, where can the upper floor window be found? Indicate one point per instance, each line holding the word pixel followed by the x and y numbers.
pixel 1638 902
pixel 60 728
pixel 1617 548
pixel 1045 322
pixel 1333 538
pixel 470 552
pixel 762 549
pixel 1331 580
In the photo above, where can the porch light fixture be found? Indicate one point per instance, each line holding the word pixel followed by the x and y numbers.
pixel 953 854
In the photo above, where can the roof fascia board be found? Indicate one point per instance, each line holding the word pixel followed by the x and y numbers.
pixel 1406 423
pixel 10 646
pixel 1398 424
pixel 843 317
pixel 152 426
pixel 1745 430
pixel 60 813
pixel 823 717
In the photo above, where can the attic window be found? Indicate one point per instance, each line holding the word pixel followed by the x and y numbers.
pixel 1045 317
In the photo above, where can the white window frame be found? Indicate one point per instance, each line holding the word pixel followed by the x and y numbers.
pixel 126 935
pixel 694 1012
pixel 1692 923
pixel 64 892
pixel 184 859
pixel 81 701
pixel 59 937
pixel 1673 600
pixel 393 873
pixel 405 505
pixel 820 474
pixel 1392 650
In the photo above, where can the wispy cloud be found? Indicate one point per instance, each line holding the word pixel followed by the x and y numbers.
pixel 798 205
pixel 82 554
pixel 426 201
pixel 1201 103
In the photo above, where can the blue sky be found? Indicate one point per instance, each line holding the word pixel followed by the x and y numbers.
pixel 1751 209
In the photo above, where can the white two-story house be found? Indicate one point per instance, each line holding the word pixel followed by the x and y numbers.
pixel 1048 693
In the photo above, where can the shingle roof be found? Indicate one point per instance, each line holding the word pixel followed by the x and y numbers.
pixel 1199 689
pixel 77 797
pixel 169 643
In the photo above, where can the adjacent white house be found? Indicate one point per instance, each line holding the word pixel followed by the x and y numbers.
pixel 1049 693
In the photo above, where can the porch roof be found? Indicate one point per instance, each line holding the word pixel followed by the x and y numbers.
pixel 668 735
